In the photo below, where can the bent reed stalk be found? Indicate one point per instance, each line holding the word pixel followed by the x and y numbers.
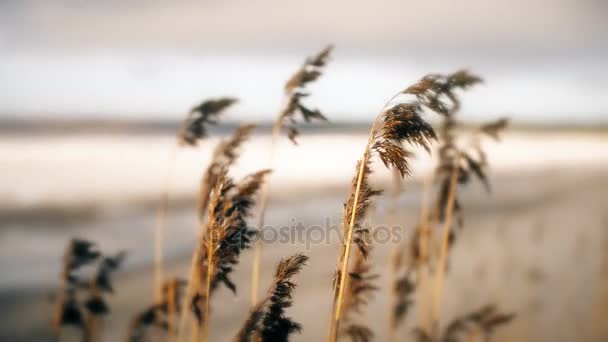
pixel 225 155
pixel 443 251
pixel 159 234
pixel 191 131
pixel 394 125
pixel 309 72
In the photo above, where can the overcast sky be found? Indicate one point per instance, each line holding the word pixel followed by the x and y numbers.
pixel 542 60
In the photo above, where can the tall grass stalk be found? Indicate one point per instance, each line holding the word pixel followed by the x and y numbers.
pixel 309 72
pixel 255 274
pixel 443 251
pixel 192 129
pixel 401 122
pixel 395 254
pixel 159 234
pixel 424 238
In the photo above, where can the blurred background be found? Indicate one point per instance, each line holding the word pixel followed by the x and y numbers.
pixel 92 93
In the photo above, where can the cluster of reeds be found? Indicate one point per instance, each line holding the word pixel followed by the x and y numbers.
pixel 396 124
pixel 183 306
pixel 80 298
pixel 421 264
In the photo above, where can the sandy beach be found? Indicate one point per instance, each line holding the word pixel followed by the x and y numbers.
pixel 536 246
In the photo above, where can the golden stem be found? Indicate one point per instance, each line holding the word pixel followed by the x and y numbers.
pixel 396 188
pixel 437 295
pixel 193 283
pixel 159 234
pixel 208 287
pixel 423 244
pixel 172 308
pixel 57 315
pixel 338 305
pixel 255 274
pixel 92 321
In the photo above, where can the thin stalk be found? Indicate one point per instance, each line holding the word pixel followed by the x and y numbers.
pixel 60 298
pixel 159 234
pixel 343 275
pixel 396 189
pixel 92 320
pixel 443 251
pixel 208 287
pixel 192 284
pixel 255 274
pixel 172 288
pixel 345 248
pixel 423 244
pixel 58 314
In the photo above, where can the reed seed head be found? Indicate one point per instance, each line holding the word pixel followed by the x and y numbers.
pixel 267 320
pixel 309 72
pixel 229 207
pixel 224 156
pixel 194 128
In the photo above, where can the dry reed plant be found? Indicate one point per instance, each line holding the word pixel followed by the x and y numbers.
pixel 267 321
pixel 295 91
pixel 71 308
pixel 457 165
pixel 436 93
pixel 226 234
pixel 476 326
pixel 191 131
pixel 394 125
pixel 224 156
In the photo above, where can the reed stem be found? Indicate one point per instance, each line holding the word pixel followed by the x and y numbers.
pixel 443 251
pixel 345 247
pixel 423 244
pixel 192 284
pixel 396 189
pixel 208 287
pixel 335 327
pixel 172 289
pixel 255 274
pixel 159 234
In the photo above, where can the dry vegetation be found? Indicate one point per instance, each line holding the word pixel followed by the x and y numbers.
pixel 182 306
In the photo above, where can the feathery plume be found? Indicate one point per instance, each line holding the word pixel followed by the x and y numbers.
pixel 294 93
pixel 226 234
pixel 480 322
pixel 80 298
pixel 206 113
pixel 192 129
pixel 224 156
pixel 309 72
pixel 267 320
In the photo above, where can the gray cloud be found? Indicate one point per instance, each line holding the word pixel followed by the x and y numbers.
pixel 240 23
